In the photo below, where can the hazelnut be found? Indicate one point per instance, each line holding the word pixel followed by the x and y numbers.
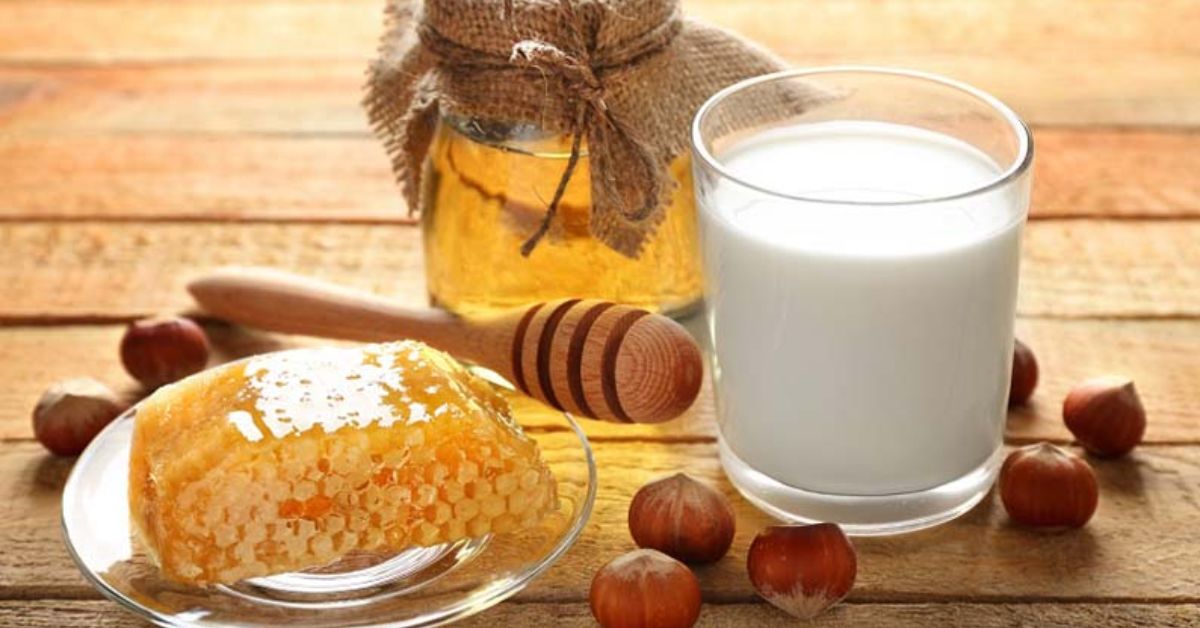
pixel 1024 374
pixel 682 518
pixel 802 569
pixel 71 413
pixel 160 351
pixel 645 588
pixel 1106 416
pixel 1044 485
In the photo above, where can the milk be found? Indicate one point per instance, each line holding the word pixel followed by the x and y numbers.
pixel 861 349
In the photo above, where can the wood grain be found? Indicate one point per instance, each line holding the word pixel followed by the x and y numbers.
pixel 740 615
pixel 73 31
pixel 1163 357
pixel 1110 268
pixel 316 96
pixel 1139 547
pixel 107 173
pixel 98 271
pixel 322 95
pixel 197 178
pixel 1104 173
pixel 59 29
pixel 104 270
pixel 1041 57
pixel 104 614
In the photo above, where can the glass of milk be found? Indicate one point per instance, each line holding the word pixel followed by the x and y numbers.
pixel 861 240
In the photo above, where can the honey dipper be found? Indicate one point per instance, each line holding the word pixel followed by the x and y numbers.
pixel 588 357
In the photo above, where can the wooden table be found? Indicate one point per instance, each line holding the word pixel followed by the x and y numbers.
pixel 142 141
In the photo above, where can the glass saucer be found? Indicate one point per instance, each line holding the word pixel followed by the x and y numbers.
pixel 420 587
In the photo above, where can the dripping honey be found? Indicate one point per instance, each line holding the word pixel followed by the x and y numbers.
pixel 487 193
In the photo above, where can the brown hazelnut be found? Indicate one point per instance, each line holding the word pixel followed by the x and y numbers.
pixel 71 413
pixel 1106 416
pixel 160 351
pixel 682 518
pixel 802 569
pixel 1024 374
pixel 645 588
pixel 1044 485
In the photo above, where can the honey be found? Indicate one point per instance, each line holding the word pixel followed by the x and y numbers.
pixel 486 191
pixel 293 460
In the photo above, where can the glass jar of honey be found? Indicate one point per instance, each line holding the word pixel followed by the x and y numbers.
pixel 486 189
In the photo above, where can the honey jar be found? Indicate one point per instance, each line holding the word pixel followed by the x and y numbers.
pixel 486 190
pixel 545 144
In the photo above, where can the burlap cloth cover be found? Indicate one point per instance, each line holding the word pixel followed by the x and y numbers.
pixel 627 75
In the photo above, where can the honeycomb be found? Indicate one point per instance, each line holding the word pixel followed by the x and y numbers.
pixel 292 460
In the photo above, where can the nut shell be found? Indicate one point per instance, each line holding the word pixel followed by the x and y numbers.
pixel 1047 486
pixel 161 351
pixel 682 518
pixel 72 412
pixel 645 588
pixel 1024 374
pixel 1106 416
pixel 802 569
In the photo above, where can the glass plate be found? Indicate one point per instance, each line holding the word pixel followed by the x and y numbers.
pixel 420 587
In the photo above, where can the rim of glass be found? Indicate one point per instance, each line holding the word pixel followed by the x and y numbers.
pixel 1018 166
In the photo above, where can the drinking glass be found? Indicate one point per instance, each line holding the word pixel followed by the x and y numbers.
pixel 860 229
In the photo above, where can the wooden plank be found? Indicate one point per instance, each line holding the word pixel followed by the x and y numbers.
pixel 1102 173
pixel 309 96
pixel 1110 268
pixel 1148 90
pixel 1142 89
pixel 142 29
pixel 1140 547
pixel 1008 26
pixel 189 178
pixel 66 614
pixel 1163 357
pixel 30 527
pixel 86 175
pixel 105 271
pixel 103 614
pixel 1039 56
pixel 891 615
pixel 322 96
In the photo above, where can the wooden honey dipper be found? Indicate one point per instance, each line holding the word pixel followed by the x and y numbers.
pixel 588 357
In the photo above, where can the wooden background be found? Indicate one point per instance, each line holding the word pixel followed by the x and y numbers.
pixel 142 141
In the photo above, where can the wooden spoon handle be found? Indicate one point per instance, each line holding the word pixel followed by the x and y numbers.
pixel 594 358
pixel 278 301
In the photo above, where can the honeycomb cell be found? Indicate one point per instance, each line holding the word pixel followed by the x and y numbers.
pixel 292 460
